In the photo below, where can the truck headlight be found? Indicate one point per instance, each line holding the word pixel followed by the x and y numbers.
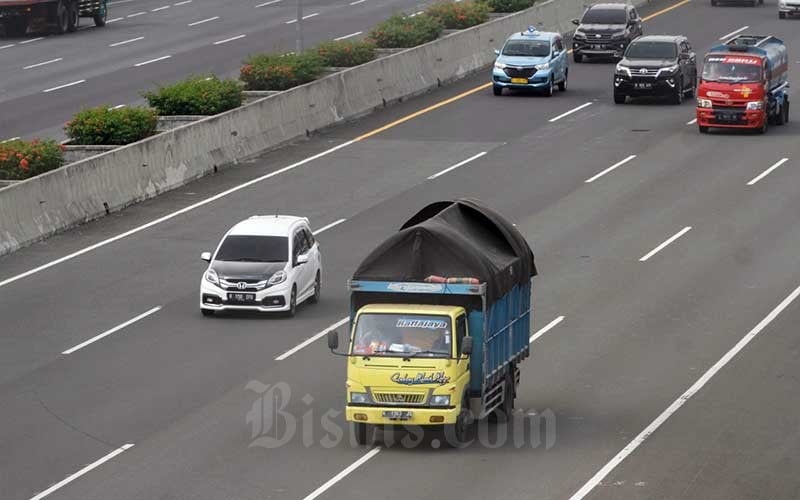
pixel 359 397
pixel 703 103
pixel 443 400
pixel 753 105
pixel 541 67
pixel 499 65
pixel 212 277
pixel 623 69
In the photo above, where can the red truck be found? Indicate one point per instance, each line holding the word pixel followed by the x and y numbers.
pixel 62 16
pixel 744 84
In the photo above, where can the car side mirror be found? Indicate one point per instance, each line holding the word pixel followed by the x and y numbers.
pixel 466 346
pixel 497 52
pixel 206 256
pixel 333 340
pixel 301 259
pixel 576 22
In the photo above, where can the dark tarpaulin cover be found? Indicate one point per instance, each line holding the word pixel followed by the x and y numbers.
pixel 461 238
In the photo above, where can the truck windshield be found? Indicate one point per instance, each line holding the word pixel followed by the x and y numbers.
pixel 402 335
pixel 652 50
pixel 726 69
pixel 527 48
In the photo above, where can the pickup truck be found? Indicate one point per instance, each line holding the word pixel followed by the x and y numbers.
pixel 62 16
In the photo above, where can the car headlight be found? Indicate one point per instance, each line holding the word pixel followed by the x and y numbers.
pixel 212 277
pixel 618 36
pixel 753 105
pixel 579 35
pixel 703 103
pixel 359 397
pixel 277 278
pixel 443 400
pixel 499 65
pixel 782 3
pixel 623 69
pixel 541 67
pixel 669 69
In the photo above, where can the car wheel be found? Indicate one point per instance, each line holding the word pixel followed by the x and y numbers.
pixel 702 129
pixel 619 98
pixel 497 90
pixel 562 86
pixel 548 92
pixel 317 290
pixel 781 15
pixel 677 99
pixel 292 302
pixel 578 58
pixel 690 92
pixel 207 312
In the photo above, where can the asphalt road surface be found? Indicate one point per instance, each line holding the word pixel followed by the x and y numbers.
pixel 666 358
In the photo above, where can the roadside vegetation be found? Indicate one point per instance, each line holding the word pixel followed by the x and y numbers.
pixel 346 53
pixel 196 95
pixel 280 72
pixel 401 31
pixel 21 160
pixel 106 126
pixel 459 15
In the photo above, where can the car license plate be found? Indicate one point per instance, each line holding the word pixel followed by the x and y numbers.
pixel 643 85
pixel 597 47
pixel 519 80
pixel 726 117
pixel 397 415
pixel 242 297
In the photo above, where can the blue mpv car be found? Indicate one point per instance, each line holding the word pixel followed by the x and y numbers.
pixel 534 60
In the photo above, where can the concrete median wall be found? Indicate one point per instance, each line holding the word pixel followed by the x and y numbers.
pixel 91 188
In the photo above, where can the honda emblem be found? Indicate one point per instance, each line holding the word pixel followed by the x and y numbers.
pixel 241 285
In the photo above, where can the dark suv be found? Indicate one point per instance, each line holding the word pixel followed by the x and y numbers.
pixel 663 66
pixel 605 30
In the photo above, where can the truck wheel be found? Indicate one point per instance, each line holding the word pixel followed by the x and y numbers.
pixel 780 115
pixel 61 18
pixel 619 98
pixel 765 127
pixel 702 129
pixel 578 58
pixel 364 433
pixel 562 86
pixel 16 27
pixel 460 430
pixel 503 413
pixel 786 111
pixel 73 19
pixel 101 16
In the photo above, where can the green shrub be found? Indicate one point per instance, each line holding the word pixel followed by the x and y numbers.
pixel 401 31
pixel 280 72
pixel 23 159
pixel 197 95
pixel 111 126
pixel 459 15
pixel 346 53
pixel 509 5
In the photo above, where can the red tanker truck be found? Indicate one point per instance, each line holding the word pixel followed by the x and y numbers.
pixel 61 16
pixel 744 84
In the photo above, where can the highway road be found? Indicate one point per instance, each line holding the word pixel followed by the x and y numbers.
pixel 665 358
pixel 47 79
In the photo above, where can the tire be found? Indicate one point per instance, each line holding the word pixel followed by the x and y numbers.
pixel 16 27
pixel 207 312
pixel 702 129
pixel 503 413
pixel 101 16
pixel 781 15
pixel 690 92
pixel 786 112
pixel 619 98
pixel 677 99
pixel 61 18
pixel 764 128
pixel 73 19
pixel 364 433
pixel 292 302
pixel 459 431
pixel 548 92
pixel 497 90
pixel 578 58
pixel 314 299
pixel 780 118
pixel 562 86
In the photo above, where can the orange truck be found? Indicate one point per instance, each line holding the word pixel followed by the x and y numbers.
pixel 744 84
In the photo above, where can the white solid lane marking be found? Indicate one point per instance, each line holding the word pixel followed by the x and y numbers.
pixel 692 122
pixel 611 168
pixel 203 21
pixel 182 3
pixel 137 14
pixel 117 2
pixel 312 339
pixel 664 245
pixel 338 477
pixel 348 36
pixel 7 46
pixel 676 405
pixel 304 18
pixel 329 226
pixel 64 86
pixel 82 472
pixel 357 2
pixel 160 8
pixel 271 2
pixel 32 40
pixel 43 63
pixel 172 215
pixel 546 329
pixel 767 171
pixel 237 37
pixel 460 164
pixel 9 140
pixel 725 37
pixel 113 330
pixel 152 61
pixel 575 110
pixel 117 44
pixel 116 19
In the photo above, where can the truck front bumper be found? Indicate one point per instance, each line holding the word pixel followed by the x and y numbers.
pixel 415 416
pixel 707 117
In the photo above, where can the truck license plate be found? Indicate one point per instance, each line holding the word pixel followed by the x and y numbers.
pixel 519 80
pixel 397 415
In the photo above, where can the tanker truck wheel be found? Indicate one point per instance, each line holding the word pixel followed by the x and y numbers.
pixel 61 18
pixel 73 17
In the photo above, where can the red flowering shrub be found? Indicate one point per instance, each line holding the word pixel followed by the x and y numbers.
pixel 23 159
pixel 459 15
pixel 111 126
pixel 280 72
pixel 509 5
pixel 346 53
pixel 401 31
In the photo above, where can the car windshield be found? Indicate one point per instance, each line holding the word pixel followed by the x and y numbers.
pixel 254 249
pixel 402 335
pixel 527 48
pixel 604 16
pixel 652 50
pixel 732 69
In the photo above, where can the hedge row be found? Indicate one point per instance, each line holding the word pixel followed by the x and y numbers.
pixel 23 159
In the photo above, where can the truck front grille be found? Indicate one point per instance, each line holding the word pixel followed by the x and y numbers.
pixel 399 398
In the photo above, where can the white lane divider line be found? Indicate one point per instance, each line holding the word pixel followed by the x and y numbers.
pixel 338 477
pixel 357 2
pixel 664 245
pixel 610 169
pixel 196 23
pixel 125 42
pixel 143 63
pixel 460 164
pixel 9 140
pixel 767 171
pixel 64 86
pixel 158 9
pixel 736 32
pixel 7 46
pixel 31 40
pixel 136 14
pixel 315 14
pixel 678 403
pixel 83 471
pixel 113 330
pixel 546 329
pixel 271 2
pixel 329 226
pixel 237 37
pixel 116 19
pixel 692 122
pixel 345 37
pixel 117 2
pixel 181 3
pixel 313 339
pixel 51 61
pixel 574 110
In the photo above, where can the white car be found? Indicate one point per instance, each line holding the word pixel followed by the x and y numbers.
pixel 264 263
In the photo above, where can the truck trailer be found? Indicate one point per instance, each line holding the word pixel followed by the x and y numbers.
pixel 62 16
pixel 744 84
pixel 440 317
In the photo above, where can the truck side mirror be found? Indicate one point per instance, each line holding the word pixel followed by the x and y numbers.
pixel 466 346
pixel 206 256
pixel 333 340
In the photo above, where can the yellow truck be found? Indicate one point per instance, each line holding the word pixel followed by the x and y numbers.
pixel 440 320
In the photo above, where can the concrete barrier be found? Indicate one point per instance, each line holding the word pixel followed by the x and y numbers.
pixel 39 207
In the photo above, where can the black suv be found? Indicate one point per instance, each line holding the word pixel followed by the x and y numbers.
pixel 605 30
pixel 663 66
